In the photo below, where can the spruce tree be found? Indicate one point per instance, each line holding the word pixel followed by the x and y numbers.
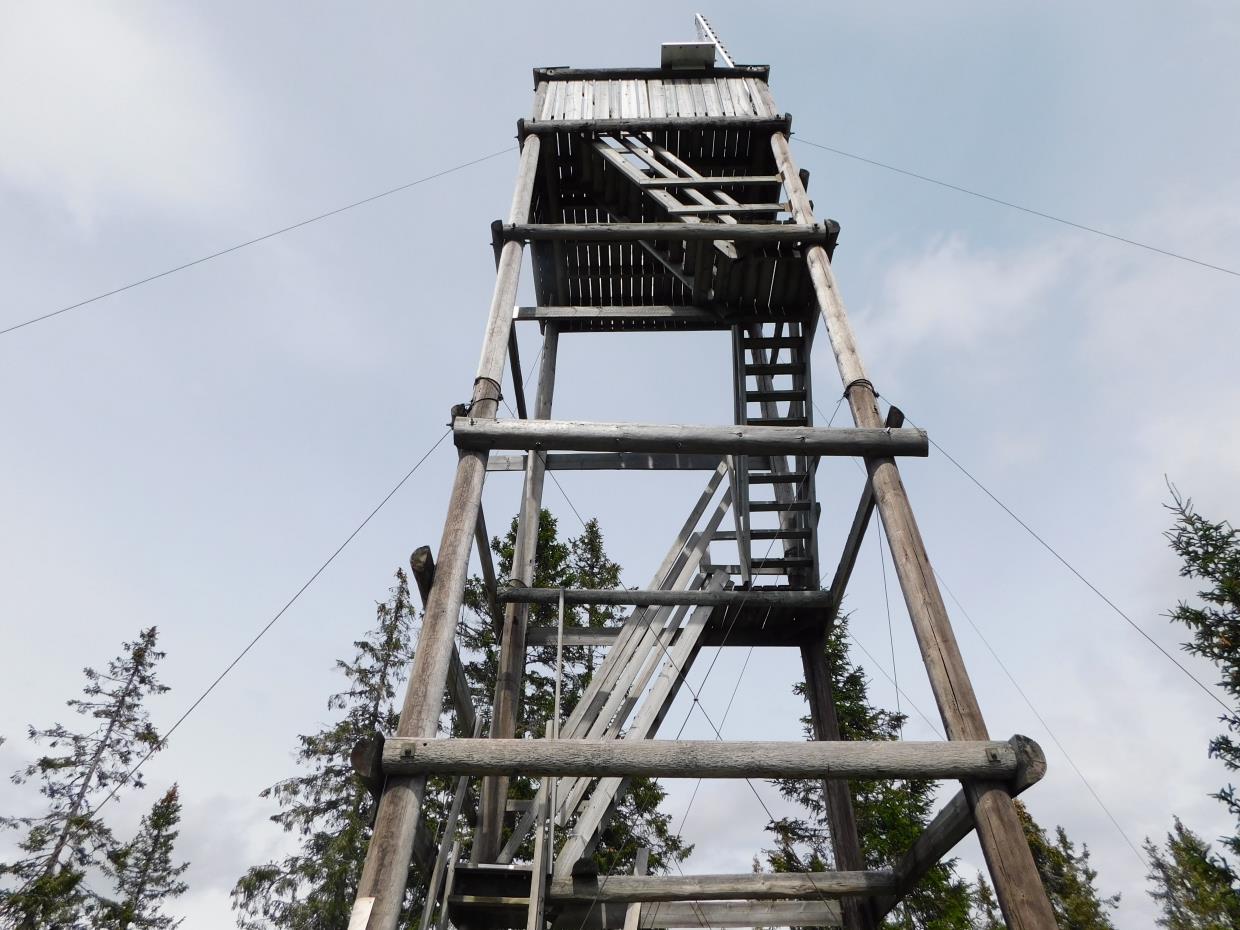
pixel 145 876
pixel 79 771
pixel 890 813
pixel 1070 881
pixel 1210 553
pixel 579 562
pixel 328 807
pixel 1193 887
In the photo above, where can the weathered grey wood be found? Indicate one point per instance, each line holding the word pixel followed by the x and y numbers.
pixel 448 843
pixel 538 873
pixel 953 823
pixel 422 566
pixel 620 666
pixel 482 541
pixel 993 760
pixel 741 180
pixel 561 74
pixel 641 124
pixel 514 367
pixel 512 640
pixel 720 209
pixel 442 922
pixel 805 234
pixel 756 886
pixel 574 435
pixel 845 839
pixel 695 316
pixel 856 535
pixel 610 461
pixel 632 916
pixel 1013 872
pixel 381 888
pixel 704 915
pixel 647 598
pixel 546 636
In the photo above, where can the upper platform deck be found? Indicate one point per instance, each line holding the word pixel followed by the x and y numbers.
pixel 678 146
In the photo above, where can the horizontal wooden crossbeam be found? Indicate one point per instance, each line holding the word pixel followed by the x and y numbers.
pixel 676 232
pixel 644 74
pixel 694 315
pixel 746 180
pixel 747 885
pixel 957 759
pixel 579 436
pixel 645 123
pixel 610 461
pixel 733 598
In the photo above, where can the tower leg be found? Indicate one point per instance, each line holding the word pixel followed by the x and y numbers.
pixel 381 889
pixel 1017 885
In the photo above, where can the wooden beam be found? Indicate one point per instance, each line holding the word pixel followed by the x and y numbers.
pixel 526 127
pixel 856 535
pixel 546 636
pixel 996 761
pixel 684 315
pixel 756 886
pixel 705 597
pixel 719 209
pixel 610 461
pixel 760 72
pixel 744 180
pixel 385 874
pixel 478 433
pixel 679 232
pixel 953 823
pixel 422 565
pixel 1013 873
pixel 482 541
pixel 632 916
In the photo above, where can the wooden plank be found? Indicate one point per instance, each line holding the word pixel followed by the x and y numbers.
pixel 631 232
pixel 755 886
pixel 385 874
pixel 632 916
pixel 717 209
pixel 694 315
pixel 658 106
pixel 609 461
pixel 482 543
pixel 1013 872
pixel 683 121
pixel 574 435
pixel 963 759
pixel 746 180
pixel 561 74
pixel 546 636
pixel 801 600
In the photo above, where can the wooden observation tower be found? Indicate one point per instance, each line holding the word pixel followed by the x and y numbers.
pixel 656 200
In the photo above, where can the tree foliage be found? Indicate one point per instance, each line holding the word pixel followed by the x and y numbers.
pixel 1193 887
pixel 328 807
pixel 1210 553
pixel 145 873
pixel 70 842
pixel 579 562
pixel 890 813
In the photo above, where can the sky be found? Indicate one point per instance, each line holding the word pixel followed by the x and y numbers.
pixel 187 453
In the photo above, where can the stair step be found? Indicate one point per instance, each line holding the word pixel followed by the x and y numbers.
pixel 773 342
pixel 765 534
pixel 779 368
pixel 755 397
pixel 776 421
pixel 792 477
pixel 785 562
pixel 766 569
pixel 777 506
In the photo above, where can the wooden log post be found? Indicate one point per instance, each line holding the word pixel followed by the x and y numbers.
pixel 1019 890
pixel 516 614
pixel 381 888
pixel 422 564
pixel 658 758
pixel 845 840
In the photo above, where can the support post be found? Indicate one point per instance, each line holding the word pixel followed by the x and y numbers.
pixel 512 640
pixel 1021 896
pixel 381 888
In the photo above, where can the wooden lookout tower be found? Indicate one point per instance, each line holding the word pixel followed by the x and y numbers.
pixel 658 200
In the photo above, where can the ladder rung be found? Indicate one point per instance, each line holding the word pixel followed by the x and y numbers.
pixel 789 478
pixel 779 368
pixel 773 342
pixel 776 421
pixel 776 506
pixel 791 562
pixel 766 534
pixel 755 397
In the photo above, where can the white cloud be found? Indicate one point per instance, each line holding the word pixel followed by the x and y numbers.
pixel 105 110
